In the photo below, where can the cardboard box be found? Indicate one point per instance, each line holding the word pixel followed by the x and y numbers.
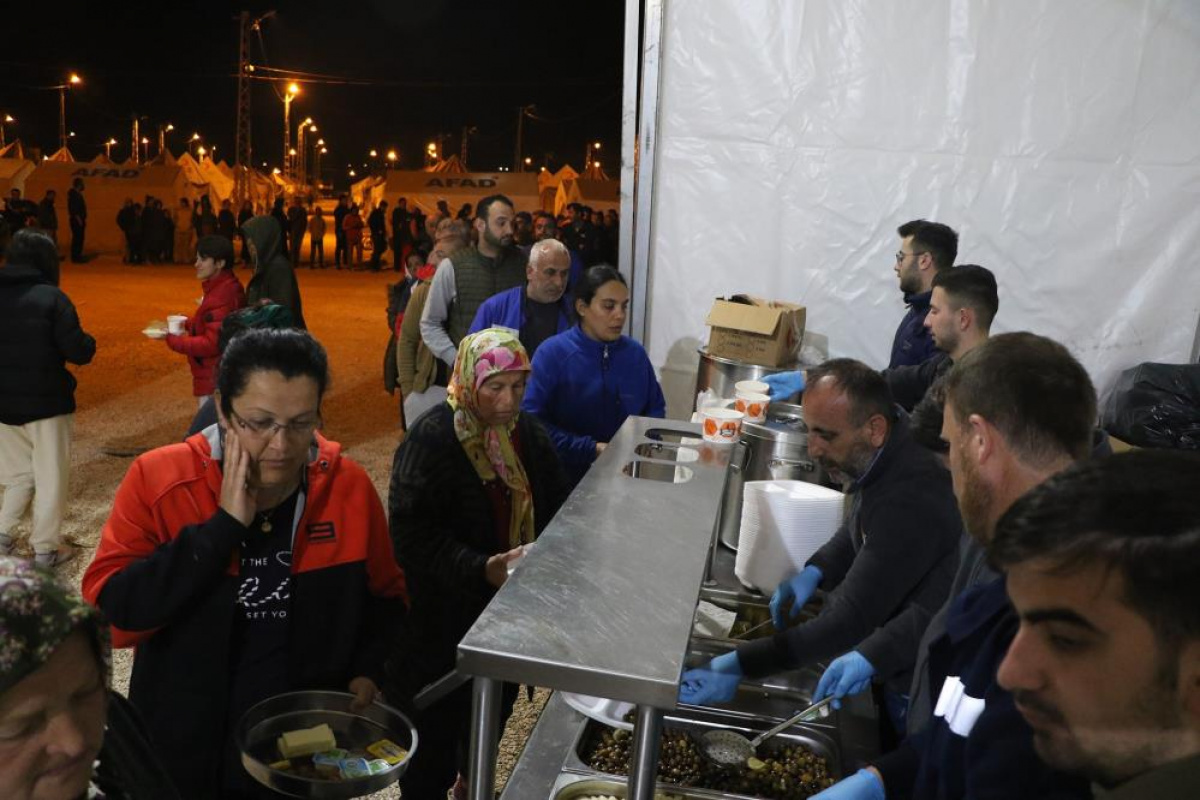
pixel 755 331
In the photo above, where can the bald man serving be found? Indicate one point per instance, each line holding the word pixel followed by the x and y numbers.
pixel 540 308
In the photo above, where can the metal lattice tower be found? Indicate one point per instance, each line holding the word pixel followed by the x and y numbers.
pixel 242 150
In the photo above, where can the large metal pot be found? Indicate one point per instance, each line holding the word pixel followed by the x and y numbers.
pixel 776 449
pixel 720 374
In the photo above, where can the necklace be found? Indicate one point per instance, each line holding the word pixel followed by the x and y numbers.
pixel 264 520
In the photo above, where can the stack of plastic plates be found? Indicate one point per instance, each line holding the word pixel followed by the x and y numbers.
pixel 783 524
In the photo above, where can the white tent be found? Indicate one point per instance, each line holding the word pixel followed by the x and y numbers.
pixel 220 185
pixel 14 168
pixel 1058 139
pixel 548 183
pixel 368 192
pixel 423 189
pixel 599 195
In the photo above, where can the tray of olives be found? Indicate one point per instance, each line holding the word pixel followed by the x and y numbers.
pixel 796 764
pixel 578 787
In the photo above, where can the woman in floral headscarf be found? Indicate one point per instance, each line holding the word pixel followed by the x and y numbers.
pixel 473 481
pixel 63 735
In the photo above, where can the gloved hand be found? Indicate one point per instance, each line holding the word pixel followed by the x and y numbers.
pixel 862 785
pixel 848 674
pixel 798 589
pixel 784 384
pixel 715 682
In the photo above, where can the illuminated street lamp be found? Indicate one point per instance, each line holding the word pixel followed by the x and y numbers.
pixel 194 141
pixel 590 152
pixel 145 149
pixel 108 148
pixel 163 130
pixel 304 128
pixel 528 162
pixel 72 80
pixel 391 157
pixel 7 120
pixel 321 150
pixel 293 89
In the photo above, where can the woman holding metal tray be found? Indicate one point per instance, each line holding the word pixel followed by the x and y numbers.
pixel 250 560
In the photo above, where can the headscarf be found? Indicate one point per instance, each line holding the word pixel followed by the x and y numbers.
pixel 37 614
pixel 489 447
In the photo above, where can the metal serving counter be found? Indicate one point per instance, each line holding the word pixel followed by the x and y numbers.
pixel 604 603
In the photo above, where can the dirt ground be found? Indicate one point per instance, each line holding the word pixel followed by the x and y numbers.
pixel 137 393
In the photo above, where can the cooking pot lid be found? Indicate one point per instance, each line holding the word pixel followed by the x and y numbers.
pixel 784 423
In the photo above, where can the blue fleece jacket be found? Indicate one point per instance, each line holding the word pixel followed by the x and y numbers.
pixel 582 391
pixel 508 310
pixel 913 343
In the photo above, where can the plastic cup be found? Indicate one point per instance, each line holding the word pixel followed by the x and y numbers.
pixel 175 324
pixel 753 405
pixel 721 425
pixel 751 387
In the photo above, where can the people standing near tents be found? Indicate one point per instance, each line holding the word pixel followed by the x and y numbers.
pixel 77 210
pixel 352 225
pixel 297 223
pixel 125 223
pixel 377 222
pixel 244 216
pixel 48 216
pixel 226 222
pixel 39 334
pixel 206 220
pixel 223 294
pixel 339 233
pixel 274 279
pixel 185 233
pixel 316 239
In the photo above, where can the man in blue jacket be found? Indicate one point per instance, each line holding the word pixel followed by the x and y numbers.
pixel 540 308
pixel 926 248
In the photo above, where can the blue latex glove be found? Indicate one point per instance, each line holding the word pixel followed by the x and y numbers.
pixel 798 589
pixel 715 682
pixel 862 785
pixel 848 674
pixel 784 384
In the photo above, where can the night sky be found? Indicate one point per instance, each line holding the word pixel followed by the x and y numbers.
pixel 413 71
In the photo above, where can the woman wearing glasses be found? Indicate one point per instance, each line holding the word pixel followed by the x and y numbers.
pixel 250 560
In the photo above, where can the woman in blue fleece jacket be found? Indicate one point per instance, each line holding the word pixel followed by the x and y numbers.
pixel 588 379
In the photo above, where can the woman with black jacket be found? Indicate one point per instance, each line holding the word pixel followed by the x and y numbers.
pixel 472 483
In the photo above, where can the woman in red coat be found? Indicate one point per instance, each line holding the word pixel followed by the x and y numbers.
pixel 223 294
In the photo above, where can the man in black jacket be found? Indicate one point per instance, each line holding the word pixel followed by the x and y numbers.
pixel 77 210
pixel 339 234
pixel 893 555
pixel 39 334
pixel 377 223
pixel 401 235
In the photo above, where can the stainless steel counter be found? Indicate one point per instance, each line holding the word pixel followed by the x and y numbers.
pixel 603 603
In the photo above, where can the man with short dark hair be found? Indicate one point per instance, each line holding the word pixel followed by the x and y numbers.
pixel 1101 566
pixel 926 248
pixel 579 235
pixel 77 211
pixel 540 308
pixel 377 225
pixel 470 276
pixel 1019 409
pixel 962 305
pixel 896 547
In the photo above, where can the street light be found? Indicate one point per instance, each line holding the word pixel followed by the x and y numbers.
pixel 193 141
pixel 163 130
pixel 72 80
pixel 391 157
pixel 292 90
pixel 302 162
pixel 8 120
pixel 200 151
pixel 528 162
pixel 108 148
pixel 145 149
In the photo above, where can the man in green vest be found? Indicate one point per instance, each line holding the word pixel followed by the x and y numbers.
pixel 470 276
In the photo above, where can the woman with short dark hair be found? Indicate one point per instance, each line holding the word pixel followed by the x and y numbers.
pixel 250 560
pixel 223 294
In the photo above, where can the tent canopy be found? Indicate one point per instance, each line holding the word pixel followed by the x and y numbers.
pixel 423 189
pixel 600 195
pixel 14 168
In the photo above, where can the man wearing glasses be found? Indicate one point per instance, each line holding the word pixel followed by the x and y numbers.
pixel 926 248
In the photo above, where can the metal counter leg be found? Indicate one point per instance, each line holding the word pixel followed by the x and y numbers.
pixel 485 735
pixel 643 767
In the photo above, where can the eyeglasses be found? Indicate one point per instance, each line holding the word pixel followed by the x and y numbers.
pixel 901 255
pixel 266 429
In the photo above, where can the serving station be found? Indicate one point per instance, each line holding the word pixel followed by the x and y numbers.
pixel 606 605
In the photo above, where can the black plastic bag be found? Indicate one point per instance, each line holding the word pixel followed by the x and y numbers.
pixel 1156 405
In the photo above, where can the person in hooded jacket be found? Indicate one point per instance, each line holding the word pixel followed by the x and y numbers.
pixel 587 380
pixel 274 278
pixel 223 294
pixel 39 334
pixel 252 559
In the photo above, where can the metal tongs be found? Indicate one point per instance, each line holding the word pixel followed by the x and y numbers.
pixel 726 748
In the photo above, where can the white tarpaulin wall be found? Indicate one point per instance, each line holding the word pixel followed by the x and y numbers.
pixel 1061 139
pixel 423 189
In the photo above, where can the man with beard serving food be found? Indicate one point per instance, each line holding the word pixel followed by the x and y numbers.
pixel 896 548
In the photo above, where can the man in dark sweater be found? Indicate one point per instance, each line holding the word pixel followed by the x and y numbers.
pixel 926 248
pixel 469 277
pixel 896 549
pixel 1019 409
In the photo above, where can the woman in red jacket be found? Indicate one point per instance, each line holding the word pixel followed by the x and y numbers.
pixel 223 294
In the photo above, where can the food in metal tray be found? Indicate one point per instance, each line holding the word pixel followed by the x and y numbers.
pixel 335 763
pixel 783 772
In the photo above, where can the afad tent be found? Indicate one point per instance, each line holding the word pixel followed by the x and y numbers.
pixel 14 168
pixel 423 189
pixel 105 188
pixel 220 185
pixel 548 183
pixel 367 193
pixel 599 195
pixel 451 164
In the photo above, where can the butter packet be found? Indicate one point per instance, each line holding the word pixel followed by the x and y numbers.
pixel 387 750
pixel 351 768
pixel 330 761
pixel 281 765
pixel 378 765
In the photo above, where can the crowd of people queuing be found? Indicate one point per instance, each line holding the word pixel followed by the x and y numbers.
pixel 1022 603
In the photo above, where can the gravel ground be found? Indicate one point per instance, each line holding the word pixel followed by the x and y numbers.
pixel 137 394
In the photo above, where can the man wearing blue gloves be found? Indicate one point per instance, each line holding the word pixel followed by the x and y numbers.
pixel 896 550
pixel 1019 409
